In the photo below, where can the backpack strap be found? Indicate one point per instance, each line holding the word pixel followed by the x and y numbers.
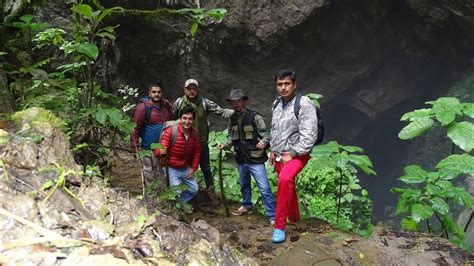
pixel 276 102
pixel 174 133
pixel 296 105
pixel 204 104
pixel 148 112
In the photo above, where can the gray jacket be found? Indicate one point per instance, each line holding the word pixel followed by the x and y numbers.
pixel 289 134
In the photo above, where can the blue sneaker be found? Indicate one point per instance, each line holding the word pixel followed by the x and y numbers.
pixel 279 236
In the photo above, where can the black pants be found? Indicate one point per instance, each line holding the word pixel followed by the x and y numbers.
pixel 206 165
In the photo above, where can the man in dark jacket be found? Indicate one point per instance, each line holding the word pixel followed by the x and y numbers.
pixel 249 136
pixel 203 107
pixel 184 152
pixel 150 115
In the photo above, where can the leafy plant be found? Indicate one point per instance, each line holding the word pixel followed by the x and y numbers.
pixel 199 15
pixel 429 194
pixel 328 187
pixel 60 181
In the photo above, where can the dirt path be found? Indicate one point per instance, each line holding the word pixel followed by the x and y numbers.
pixel 251 234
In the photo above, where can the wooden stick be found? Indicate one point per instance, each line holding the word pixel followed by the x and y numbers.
pixel 221 183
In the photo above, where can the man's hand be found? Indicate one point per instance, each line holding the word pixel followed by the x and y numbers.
pixel 261 144
pixel 272 159
pixel 190 173
pixel 163 151
pixel 220 146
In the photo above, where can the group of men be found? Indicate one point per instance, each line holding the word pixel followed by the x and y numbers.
pixel 291 138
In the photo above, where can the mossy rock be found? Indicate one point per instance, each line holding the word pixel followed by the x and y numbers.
pixel 37 118
pixel 4 136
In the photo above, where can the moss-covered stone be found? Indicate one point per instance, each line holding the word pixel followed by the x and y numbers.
pixel 4 136
pixel 37 116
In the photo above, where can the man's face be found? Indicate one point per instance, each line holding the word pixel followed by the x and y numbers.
pixel 191 91
pixel 238 105
pixel 187 120
pixel 285 87
pixel 155 93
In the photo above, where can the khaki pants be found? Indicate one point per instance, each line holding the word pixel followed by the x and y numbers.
pixel 153 171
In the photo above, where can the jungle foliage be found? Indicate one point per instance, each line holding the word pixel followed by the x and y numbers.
pixel 428 196
pixel 328 187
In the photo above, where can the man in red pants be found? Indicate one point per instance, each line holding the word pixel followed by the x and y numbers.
pixel 292 137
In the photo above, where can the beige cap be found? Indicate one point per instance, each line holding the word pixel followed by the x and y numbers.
pixel 191 81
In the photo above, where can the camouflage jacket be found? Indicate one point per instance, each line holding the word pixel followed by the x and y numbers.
pixel 289 134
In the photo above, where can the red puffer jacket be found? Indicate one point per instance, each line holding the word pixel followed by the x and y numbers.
pixel 184 153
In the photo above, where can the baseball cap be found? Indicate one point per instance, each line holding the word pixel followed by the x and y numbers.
pixel 191 81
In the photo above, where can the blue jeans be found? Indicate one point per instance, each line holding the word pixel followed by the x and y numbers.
pixel 259 173
pixel 178 177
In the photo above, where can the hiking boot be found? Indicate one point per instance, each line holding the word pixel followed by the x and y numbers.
pixel 241 211
pixel 212 196
pixel 279 236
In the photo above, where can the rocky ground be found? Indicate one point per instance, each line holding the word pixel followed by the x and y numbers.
pixel 85 221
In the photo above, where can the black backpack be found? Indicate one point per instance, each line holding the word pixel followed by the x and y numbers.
pixel 297 107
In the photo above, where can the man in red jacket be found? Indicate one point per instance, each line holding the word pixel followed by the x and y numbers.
pixel 183 153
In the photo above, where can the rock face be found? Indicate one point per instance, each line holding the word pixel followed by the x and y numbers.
pixel 81 221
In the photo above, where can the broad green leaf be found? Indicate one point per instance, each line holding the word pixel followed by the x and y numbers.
pixel 439 205
pixel 352 148
pixel 416 128
pixel 451 226
pixel 407 198
pixel 194 29
pixel 88 49
pixel 445 109
pixel 363 162
pixel 462 134
pixel 115 117
pixel 314 97
pixel 421 212
pixel 156 146
pixel 107 35
pixel 143 153
pixel 341 159
pixel 27 18
pixel 414 174
pixel 349 197
pixel 84 10
pixel 3 53
pixel 417 114
pixel 461 197
pixel 432 190
pixel 355 186
pixel 217 13
pixel 326 149
pixel 468 109
pixel 101 116
pixel 35 27
pixel 456 164
pixel 20 25
pixel 409 224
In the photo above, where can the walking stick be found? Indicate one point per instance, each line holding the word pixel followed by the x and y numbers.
pixel 137 157
pixel 167 171
pixel 221 183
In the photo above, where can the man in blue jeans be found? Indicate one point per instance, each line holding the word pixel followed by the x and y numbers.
pixel 249 136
